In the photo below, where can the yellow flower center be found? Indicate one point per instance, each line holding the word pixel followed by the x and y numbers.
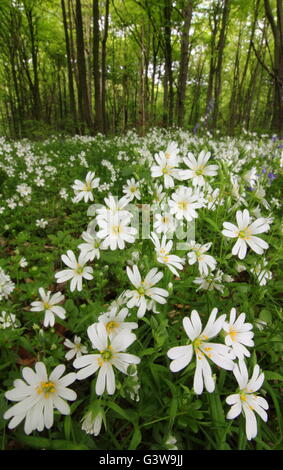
pixel 116 229
pixel 197 343
pixel 46 388
pixel 106 355
pixel 46 306
pixel 79 269
pixel 233 334
pixel 111 325
pixel 141 290
pixel 183 205
pixel 167 155
pixel 245 233
pixel 165 220
pixel 133 189
pixel 243 396
pixel 199 171
pixel 87 187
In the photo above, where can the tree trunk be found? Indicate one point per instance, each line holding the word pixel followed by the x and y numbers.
pixel 184 62
pixel 34 54
pixel 70 68
pixel 103 66
pixel 168 97
pixel 84 105
pixel 277 31
pixel 218 70
pixel 96 68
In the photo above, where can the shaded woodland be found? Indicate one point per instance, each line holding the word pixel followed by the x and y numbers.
pixel 83 66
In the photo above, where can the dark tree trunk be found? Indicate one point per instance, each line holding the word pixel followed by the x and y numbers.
pixel 31 19
pixel 84 105
pixel 220 51
pixel 96 68
pixel 103 67
pixel 168 98
pixel 184 62
pixel 70 68
pixel 277 31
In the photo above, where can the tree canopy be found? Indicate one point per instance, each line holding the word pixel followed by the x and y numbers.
pixel 83 66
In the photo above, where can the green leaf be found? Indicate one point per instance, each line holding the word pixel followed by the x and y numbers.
pixel 212 223
pixel 44 443
pixel 136 439
pixel 129 415
pixel 270 375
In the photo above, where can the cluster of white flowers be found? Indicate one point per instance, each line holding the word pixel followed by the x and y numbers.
pixel 111 335
pixel 6 285
pixel 114 221
pixel 238 335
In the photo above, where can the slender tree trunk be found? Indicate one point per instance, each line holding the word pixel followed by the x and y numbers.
pixel 84 105
pixel 220 51
pixel 168 98
pixel 277 31
pixel 73 108
pixel 103 66
pixel 142 86
pixel 96 68
pixel 31 19
pixel 184 62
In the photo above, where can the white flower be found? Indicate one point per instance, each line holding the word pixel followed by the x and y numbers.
pixel 90 249
pixel 144 293
pixel 49 305
pixel 205 262
pixel 262 275
pixel 6 285
pixel 41 223
pixel 77 272
pixel 116 231
pixel 163 254
pixel 83 189
pixel 158 194
pixel 23 262
pixel 165 167
pixel 131 189
pixel 8 320
pixel 238 334
pixel 113 321
pixel 171 153
pixel 260 324
pixel 92 422
pixel 63 193
pixel 24 189
pixel 113 207
pixel 170 443
pixel 237 192
pixel 164 223
pixel 76 348
pixel 246 401
pixel 212 199
pixel 198 169
pixel 111 353
pixel 251 177
pixel 213 281
pixel 184 202
pixel 119 302
pixel 37 395
pixel 245 233
pixel 259 195
pixel 201 346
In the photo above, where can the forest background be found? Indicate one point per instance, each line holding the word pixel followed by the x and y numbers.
pixel 83 66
